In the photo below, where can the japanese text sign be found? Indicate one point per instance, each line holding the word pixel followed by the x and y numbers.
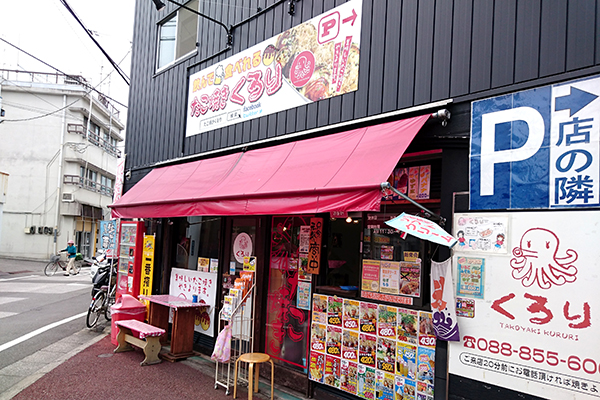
pixel 185 282
pixel 147 266
pixel 315 60
pixel 314 250
pixel 422 228
pixel 537 148
pixel 108 237
pixel 536 327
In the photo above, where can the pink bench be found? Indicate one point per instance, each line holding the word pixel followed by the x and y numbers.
pixel 148 339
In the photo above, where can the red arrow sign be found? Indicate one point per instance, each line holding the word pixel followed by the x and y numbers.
pixel 350 18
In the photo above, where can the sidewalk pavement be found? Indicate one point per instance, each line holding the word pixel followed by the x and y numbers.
pixel 83 366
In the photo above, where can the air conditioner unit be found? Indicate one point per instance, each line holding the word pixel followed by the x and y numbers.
pixel 32 230
pixel 41 230
pixel 67 197
pixel 27 230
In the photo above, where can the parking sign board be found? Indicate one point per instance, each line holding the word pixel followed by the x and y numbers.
pixel 538 148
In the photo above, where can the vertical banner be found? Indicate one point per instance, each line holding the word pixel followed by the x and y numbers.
pixel 314 251
pixel 108 237
pixel 147 267
pixel 443 305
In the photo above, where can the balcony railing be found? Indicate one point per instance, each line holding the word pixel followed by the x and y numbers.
pixel 88 184
pixel 95 139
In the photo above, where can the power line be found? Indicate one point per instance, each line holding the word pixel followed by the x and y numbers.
pixel 88 32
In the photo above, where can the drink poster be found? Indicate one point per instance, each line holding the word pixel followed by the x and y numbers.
pixel 470 274
pixel 317 366
pixel 318 336
pixel 366 382
pixel 370 275
pixel 387 321
pixel 399 388
pixel 386 354
pixel 408 321
pixel 406 360
pixel 334 340
pixel 351 314
pixel 426 330
pixel 334 310
pixel 368 317
pixel 332 371
pixel 384 385
pixel 350 345
pixel 390 277
pixel 426 366
pixel 349 376
pixel 410 279
pixel 367 350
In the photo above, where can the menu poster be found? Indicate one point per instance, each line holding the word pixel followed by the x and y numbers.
pixel 320 308
pixel 408 325
pixel 384 385
pixel 214 265
pixel 386 354
pixel 203 264
pixel 366 382
pixel 332 371
pixel 390 277
pixel 426 331
pixel 470 272
pixel 303 295
pixel 293 263
pixel 303 274
pixel 413 182
pixel 368 317
pixel 367 350
pixel 424 182
pixel 349 376
pixel 410 279
pixel 406 360
pixel 249 263
pixel 426 365
pixel 303 239
pixel 387 252
pixel 334 340
pixel 411 256
pixel 350 345
pixel 317 366
pixel 399 388
pixel 409 389
pixel 351 314
pixel 481 233
pixel 387 321
pixel 317 337
pixel 334 310
pixel 370 275
pixel 424 391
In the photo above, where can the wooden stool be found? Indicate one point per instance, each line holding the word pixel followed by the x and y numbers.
pixel 253 358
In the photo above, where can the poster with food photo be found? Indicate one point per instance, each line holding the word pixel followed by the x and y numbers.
pixel 386 324
pixel 335 307
pixel 410 278
pixel 426 330
pixel 390 277
pixel 318 336
pixel 351 314
pixel 366 382
pixel 425 365
pixel 398 387
pixel 370 275
pixel 332 371
pixel 410 390
pixel 387 252
pixel 367 349
pixel 386 354
pixel 408 325
pixel 303 275
pixel 349 376
pixel 406 360
pixel 368 317
pixel 350 345
pixel 384 389
pixel 424 389
pixel 334 341
pixel 317 366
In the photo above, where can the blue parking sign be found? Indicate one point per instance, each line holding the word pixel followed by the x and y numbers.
pixel 537 148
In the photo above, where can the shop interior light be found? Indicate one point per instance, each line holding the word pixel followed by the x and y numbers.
pixel 349 219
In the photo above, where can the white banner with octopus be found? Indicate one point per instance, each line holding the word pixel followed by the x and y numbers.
pixel 536 330
pixel 315 60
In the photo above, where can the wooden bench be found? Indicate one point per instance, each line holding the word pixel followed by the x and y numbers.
pixel 149 339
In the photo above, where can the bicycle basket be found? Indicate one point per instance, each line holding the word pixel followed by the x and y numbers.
pixel 78 257
pixel 55 258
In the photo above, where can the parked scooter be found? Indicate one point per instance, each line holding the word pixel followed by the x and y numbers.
pixel 103 272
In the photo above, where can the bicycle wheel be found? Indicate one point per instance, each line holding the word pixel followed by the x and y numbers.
pixel 51 268
pixel 95 310
pixel 109 302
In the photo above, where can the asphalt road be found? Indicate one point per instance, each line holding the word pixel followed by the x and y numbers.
pixel 34 308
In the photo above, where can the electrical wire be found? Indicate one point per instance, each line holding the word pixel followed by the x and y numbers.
pixel 88 32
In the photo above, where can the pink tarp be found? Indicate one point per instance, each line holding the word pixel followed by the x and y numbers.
pixel 339 172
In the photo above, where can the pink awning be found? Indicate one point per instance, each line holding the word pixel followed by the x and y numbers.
pixel 339 172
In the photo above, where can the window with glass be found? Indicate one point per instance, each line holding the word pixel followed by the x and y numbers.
pixel 178 35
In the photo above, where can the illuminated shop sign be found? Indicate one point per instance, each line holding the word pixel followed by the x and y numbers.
pixel 315 60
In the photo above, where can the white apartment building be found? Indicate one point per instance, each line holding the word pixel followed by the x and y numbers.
pixel 59 144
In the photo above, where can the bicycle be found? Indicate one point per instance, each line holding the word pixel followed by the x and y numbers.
pixel 56 264
pixel 101 303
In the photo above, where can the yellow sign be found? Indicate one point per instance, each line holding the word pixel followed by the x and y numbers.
pixel 147 268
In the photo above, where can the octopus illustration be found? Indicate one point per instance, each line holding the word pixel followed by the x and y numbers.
pixel 536 260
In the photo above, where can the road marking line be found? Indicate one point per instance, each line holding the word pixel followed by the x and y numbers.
pixel 20 277
pixel 38 331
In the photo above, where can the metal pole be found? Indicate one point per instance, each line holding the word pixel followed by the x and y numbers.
pixel 429 213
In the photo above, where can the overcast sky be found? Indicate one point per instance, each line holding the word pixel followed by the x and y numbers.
pixel 45 29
